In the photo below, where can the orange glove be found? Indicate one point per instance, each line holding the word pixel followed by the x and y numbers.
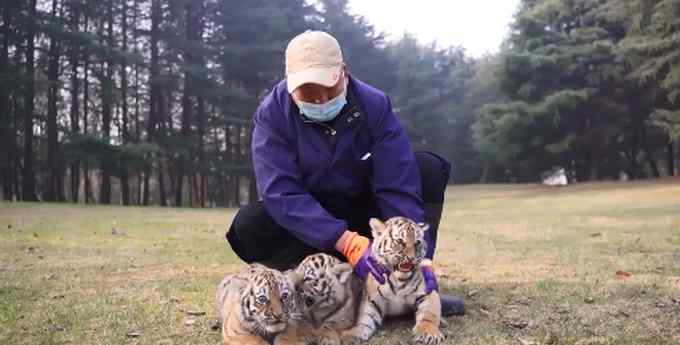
pixel 357 250
pixel 353 246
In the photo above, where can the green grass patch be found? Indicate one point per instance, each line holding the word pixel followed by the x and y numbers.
pixel 536 265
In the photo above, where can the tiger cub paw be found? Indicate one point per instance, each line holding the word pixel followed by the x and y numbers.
pixel 322 340
pixel 428 334
pixel 354 336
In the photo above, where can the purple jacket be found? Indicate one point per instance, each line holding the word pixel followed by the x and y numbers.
pixel 292 158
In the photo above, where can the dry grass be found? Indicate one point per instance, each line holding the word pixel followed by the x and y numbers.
pixel 536 265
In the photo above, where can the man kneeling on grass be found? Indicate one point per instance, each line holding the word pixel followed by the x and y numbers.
pixel 329 154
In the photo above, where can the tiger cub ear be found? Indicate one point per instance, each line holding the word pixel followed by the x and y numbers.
pixel 294 278
pixel 343 272
pixel 424 226
pixel 377 227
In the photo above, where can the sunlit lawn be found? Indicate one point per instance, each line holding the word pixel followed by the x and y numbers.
pixel 536 266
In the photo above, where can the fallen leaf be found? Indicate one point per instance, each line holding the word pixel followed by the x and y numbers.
pixel 550 338
pixel 189 322
pixel 591 341
pixel 623 274
pixel 596 234
pixel 563 309
pixel 472 293
pixel 518 323
pixel 133 334
pixel 589 300
pixel 526 341
pixel 216 325
pixel 521 300
pixel 56 328
pixel 195 312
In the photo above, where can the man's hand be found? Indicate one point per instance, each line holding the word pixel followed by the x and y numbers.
pixel 357 250
pixel 428 276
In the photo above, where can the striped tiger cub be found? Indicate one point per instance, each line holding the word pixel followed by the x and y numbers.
pixel 328 299
pixel 399 245
pixel 255 304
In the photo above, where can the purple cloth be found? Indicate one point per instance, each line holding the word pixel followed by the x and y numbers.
pixel 430 279
pixel 293 159
pixel 367 264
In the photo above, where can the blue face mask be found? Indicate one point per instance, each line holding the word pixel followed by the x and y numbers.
pixel 324 112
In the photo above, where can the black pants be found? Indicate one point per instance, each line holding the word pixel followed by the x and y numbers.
pixel 256 237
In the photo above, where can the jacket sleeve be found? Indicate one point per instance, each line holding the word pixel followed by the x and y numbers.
pixel 279 183
pixel 396 178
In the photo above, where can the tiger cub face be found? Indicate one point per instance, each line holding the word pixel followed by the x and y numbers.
pixel 322 285
pixel 268 301
pixel 399 244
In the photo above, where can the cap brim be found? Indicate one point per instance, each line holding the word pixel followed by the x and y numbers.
pixel 324 76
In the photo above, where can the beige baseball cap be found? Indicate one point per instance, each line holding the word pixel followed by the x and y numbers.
pixel 313 57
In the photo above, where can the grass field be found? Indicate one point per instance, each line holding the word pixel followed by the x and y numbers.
pixel 536 266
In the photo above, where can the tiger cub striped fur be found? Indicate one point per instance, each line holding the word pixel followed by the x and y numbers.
pixel 255 304
pixel 399 245
pixel 328 298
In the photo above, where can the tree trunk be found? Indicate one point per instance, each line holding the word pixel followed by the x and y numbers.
pixel 193 35
pixel 201 148
pixel 75 104
pixel 670 158
pixel 228 158
pixel 138 132
pixel 86 115
pixel 252 188
pixel 648 153
pixel 155 91
pixel 594 164
pixel 28 174
pixel 124 177
pixel 162 114
pixel 138 125
pixel 485 173
pixel 635 148
pixel 52 95
pixel 240 158
pixel 236 189
pixel 16 129
pixel 186 105
pixel 161 185
pixel 16 168
pixel 6 135
pixel 107 105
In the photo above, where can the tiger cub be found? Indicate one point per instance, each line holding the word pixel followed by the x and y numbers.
pixel 254 305
pixel 328 299
pixel 399 245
